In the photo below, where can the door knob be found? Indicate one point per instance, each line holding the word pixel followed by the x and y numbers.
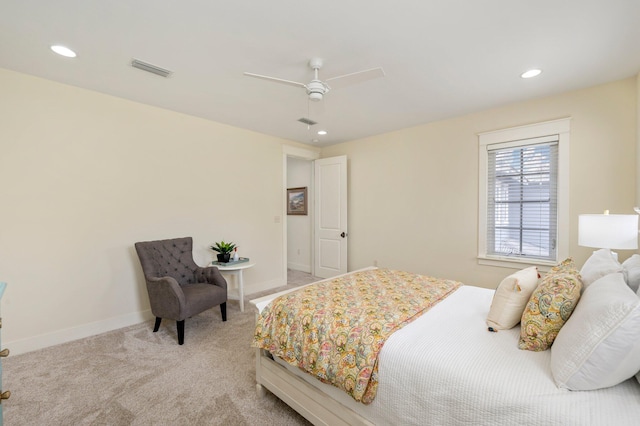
pixel 4 352
pixel 344 234
pixel 5 395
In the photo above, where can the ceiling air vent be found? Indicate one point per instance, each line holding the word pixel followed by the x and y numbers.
pixel 307 121
pixel 144 66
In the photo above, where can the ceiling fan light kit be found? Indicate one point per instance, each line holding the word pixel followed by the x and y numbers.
pixel 316 90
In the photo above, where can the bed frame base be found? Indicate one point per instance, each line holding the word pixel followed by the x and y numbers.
pixel 311 403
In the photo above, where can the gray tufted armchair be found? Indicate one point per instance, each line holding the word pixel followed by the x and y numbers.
pixel 177 287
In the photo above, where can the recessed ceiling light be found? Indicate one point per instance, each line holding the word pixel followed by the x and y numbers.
pixel 531 73
pixel 322 132
pixel 64 51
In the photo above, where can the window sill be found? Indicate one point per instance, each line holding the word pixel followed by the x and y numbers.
pixel 509 262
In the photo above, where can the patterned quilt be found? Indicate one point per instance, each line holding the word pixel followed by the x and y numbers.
pixel 335 329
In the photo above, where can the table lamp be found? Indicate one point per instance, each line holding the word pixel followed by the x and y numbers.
pixel 609 231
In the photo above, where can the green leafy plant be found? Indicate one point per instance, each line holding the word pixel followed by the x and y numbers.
pixel 222 247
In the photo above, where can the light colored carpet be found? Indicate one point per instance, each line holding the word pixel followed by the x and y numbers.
pixel 133 376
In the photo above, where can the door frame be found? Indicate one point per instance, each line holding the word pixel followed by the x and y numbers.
pixel 303 154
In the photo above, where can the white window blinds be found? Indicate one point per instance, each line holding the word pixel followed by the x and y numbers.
pixel 522 187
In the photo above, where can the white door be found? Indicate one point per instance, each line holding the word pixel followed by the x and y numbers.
pixel 330 206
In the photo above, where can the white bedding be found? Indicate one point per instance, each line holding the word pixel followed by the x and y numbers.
pixel 445 368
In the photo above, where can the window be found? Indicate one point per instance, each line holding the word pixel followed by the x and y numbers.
pixel 521 200
pixel 523 212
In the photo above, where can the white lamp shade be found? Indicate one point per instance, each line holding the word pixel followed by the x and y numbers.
pixel 611 231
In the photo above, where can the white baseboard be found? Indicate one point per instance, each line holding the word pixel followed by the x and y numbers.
pixel 299 267
pixel 74 333
pixel 266 285
pixel 34 343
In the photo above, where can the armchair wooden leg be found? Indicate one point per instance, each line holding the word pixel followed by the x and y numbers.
pixel 223 311
pixel 180 332
pixel 157 326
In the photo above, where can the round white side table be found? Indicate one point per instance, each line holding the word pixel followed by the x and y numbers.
pixel 236 270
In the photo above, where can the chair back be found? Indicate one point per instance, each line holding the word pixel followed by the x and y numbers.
pixel 171 258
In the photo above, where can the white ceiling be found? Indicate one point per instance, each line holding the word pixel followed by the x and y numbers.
pixel 441 58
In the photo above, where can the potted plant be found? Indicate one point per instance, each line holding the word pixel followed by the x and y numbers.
pixel 224 250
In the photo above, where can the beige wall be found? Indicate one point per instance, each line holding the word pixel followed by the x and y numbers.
pixel 413 193
pixel 299 173
pixel 84 175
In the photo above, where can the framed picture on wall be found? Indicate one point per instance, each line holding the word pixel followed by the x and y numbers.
pixel 297 201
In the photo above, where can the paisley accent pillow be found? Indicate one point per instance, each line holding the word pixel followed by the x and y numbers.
pixel 567 265
pixel 550 306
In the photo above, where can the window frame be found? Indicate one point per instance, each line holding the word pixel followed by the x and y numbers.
pixel 519 136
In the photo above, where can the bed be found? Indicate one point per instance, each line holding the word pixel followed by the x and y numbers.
pixel 445 368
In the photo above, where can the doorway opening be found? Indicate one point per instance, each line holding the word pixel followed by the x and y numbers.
pixel 298 232
pixel 300 226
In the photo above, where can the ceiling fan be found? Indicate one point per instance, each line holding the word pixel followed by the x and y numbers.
pixel 316 88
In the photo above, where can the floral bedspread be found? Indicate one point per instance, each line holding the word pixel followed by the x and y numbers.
pixel 335 329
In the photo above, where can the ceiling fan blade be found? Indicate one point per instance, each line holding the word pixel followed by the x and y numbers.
pixel 354 78
pixel 275 80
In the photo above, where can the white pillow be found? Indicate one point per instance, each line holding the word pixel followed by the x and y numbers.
pixel 511 297
pixel 599 346
pixel 602 262
pixel 632 269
